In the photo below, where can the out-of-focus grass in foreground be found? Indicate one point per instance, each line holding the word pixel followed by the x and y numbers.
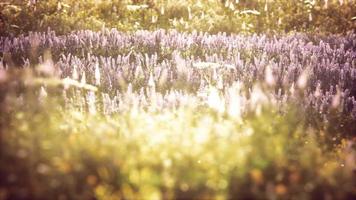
pixel 48 151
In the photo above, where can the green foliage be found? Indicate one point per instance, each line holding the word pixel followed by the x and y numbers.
pixel 213 16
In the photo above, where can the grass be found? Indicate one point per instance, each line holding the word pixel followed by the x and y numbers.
pixel 192 152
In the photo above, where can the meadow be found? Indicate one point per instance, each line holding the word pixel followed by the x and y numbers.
pixel 167 113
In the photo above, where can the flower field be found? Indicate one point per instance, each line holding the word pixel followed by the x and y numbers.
pixel 173 115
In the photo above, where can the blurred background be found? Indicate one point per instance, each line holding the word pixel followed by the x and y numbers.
pixel 231 16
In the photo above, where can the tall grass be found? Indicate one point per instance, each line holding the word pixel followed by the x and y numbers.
pixel 168 115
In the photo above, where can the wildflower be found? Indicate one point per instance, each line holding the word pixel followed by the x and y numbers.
pixel 47 67
pixel 215 101
pixel 258 98
pixel 292 89
pixel 151 82
pixel 163 77
pixel 75 75
pixel 83 80
pixel 317 92
pixel 269 76
pixel 303 79
pixel 228 66
pixel 336 99
pixel 206 65
pixel 97 74
pixel 220 83
pixel 91 102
